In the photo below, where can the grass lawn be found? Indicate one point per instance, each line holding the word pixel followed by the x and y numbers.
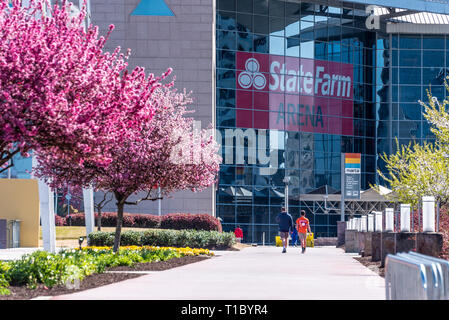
pixel 69 233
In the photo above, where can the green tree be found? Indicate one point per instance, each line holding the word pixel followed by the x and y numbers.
pixel 418 170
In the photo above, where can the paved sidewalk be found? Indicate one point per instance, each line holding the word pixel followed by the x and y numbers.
pixel 255 273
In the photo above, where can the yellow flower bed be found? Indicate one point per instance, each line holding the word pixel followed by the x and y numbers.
pixel 185 251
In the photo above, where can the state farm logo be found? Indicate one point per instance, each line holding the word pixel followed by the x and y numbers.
pixel 252 76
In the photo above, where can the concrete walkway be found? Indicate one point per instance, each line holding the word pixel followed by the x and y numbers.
pixel 255 273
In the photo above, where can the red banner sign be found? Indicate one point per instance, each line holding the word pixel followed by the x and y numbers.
pixel 295 94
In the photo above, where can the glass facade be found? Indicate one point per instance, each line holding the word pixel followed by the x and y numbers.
pixel 20 170
pixel 366 121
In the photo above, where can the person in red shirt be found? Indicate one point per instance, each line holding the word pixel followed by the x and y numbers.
pixel 238 234
pixel 302 225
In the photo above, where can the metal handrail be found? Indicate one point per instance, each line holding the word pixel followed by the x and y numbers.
pixel 406 272
pixel 437 275
pixel 420 269
pixel 443 268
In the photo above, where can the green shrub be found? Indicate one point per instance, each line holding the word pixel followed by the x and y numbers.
pixel 130 238
pixel 69 265
pixel 166 238
pixel 101 238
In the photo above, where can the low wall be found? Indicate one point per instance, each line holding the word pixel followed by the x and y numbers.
pixel 19 200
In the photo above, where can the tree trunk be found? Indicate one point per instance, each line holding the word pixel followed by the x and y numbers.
pixel 99 220
pixel 118 229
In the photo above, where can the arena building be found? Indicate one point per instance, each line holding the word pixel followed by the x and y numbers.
pixel 289 86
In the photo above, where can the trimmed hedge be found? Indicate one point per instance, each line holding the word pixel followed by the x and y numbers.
pixel 182 221
pixel 176 221
pixel 166 238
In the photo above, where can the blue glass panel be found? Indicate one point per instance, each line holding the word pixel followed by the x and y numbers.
pixel 226 40
pixel 394 42
pixel 410 111
pixel 433 58
pixel 409 76
pixel 434 75
pixel 410 58
pixel 433 42
pixel 409 93
pixel 152 8
pixel 410 42
pixel 226 20
pixel 225 117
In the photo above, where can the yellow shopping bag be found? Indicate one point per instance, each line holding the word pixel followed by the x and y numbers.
pixel 309 240
pixel 278 241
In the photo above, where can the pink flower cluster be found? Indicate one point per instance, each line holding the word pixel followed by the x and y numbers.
pixel 89 120
pixel 59 91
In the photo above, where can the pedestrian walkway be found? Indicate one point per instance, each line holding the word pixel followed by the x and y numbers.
pixel 257 273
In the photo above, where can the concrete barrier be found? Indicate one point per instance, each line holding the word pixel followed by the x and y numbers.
pixel 376 246
pixel 429 243
pixel 368 244
pixel 361 242
pixel 388 246
pixel 351 244
pixel 341 228
pixel 405 241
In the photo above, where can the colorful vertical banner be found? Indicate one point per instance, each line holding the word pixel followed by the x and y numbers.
pixel 352 174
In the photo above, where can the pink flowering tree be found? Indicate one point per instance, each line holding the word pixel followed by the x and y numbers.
pixel 57 84
pixel 165 151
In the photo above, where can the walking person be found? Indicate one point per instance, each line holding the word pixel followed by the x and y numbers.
pixel 294 236
pixel 285 221
pixel 238 232
pixel 302 223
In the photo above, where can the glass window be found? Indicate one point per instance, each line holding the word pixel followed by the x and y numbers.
pixel 21 169
pixel 226 98
pixel 410 42
pixel 410 129
pixel 292 10
pixel 226 40
pixel 277 26
pixel 409 76
pixel 227 174
pixel 277 45
pixel 226 59
pixel 226 20
pixel 244 22
pixel 227 213
pixel 244 214
pixel 262 215
pixel 410 111
pixel 307 50
pixel 433 58
pixel 225 78
pixel 226 5
pixel 245 6
pixel 433 42
pixel 394 41
pixel 261 24
pixel 434 75
pixel 225 117
pixel 410 58
pixel 260 7
pixel 261 43
pixel 277 8
pixel 409 93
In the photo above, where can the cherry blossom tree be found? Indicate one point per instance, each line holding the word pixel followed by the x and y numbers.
pixel 165 151
pixel 57 84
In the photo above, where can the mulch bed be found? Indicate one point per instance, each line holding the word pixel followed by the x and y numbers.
pixel 97 280
pixel 374 266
